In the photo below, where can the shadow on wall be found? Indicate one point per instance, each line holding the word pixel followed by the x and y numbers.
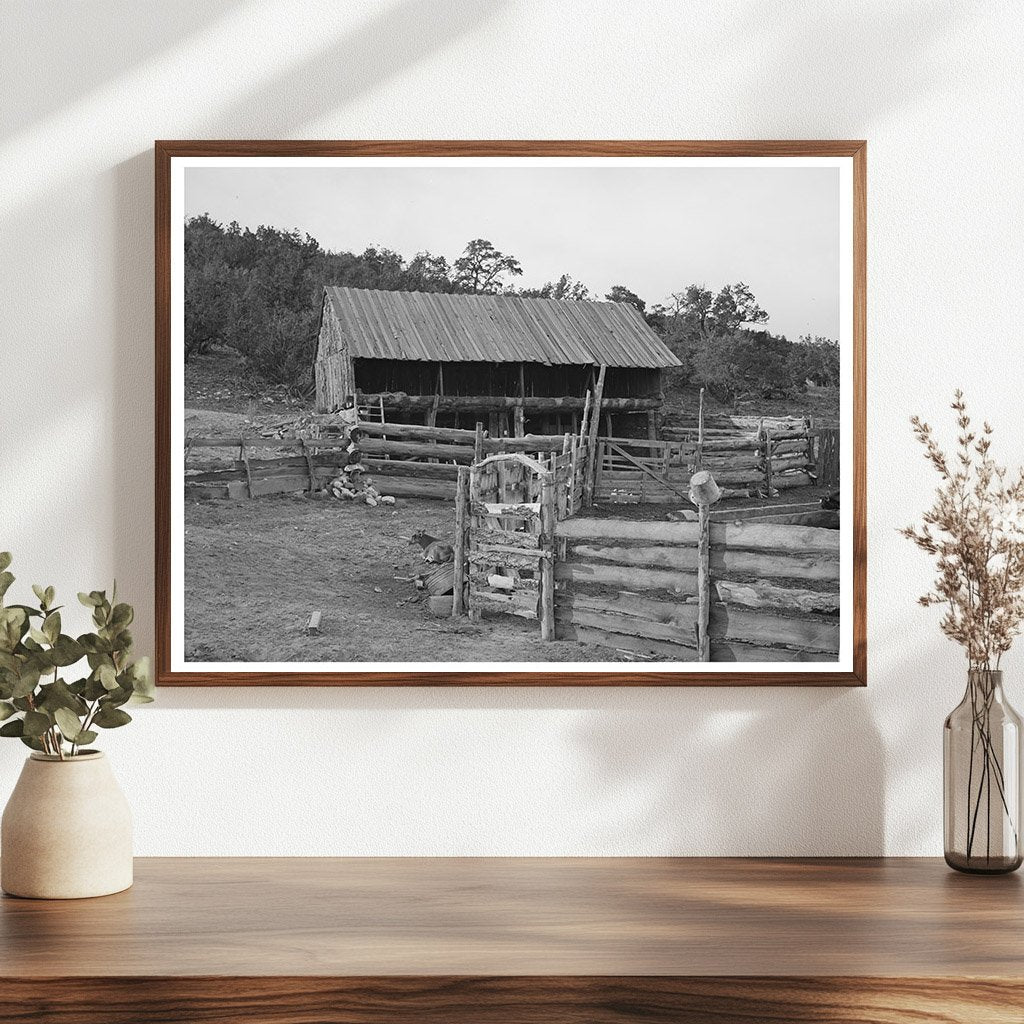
pixel 743 771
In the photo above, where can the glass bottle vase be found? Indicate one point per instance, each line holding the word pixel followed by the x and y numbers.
pixel 981 771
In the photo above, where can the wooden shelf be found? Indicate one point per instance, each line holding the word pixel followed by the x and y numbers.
pixel 282 941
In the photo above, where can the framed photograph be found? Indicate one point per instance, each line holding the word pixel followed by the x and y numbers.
pixel 492 413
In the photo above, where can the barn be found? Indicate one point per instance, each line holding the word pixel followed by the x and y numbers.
pixel 515 364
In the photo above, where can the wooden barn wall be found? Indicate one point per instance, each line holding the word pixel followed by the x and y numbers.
pixel 333 368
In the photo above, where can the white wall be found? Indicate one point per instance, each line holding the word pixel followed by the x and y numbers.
pixel 936 88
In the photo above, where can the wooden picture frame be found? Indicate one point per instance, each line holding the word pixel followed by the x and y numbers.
pixel 851 673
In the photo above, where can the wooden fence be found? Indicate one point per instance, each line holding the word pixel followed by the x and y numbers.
pixel 774 590
pixel 405 460
pixel 630 471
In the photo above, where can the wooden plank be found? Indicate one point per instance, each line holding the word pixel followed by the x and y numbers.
pixel 768 595
pixel 417 449
pixel 519 603
pixel 508 558
pixel 731 515
pixel 547 577
pixel 527 443
pixel 628 577
pixel 753 627
pixel 417 432
pixel 703 579
pixel 660 649
pixel 749 536
pixel 506 538
pixel 630 625
pixel 739 652
pixel 401 487
pixel 595 422
pixel 461 531
pixel 723 561
pixel 681 616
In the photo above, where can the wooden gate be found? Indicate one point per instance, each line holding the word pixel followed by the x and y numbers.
pixel 505 534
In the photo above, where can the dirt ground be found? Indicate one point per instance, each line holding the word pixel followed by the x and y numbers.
pixel 256 570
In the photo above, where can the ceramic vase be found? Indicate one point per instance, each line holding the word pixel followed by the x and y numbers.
pixel 66 831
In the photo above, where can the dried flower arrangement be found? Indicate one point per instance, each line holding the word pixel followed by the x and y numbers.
pixel 975 529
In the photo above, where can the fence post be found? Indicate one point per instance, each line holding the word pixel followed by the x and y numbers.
pixel 595 423
pixel 704 492
pixel 478 445
pixel 767 462
pixel 461 508
pixel 698 455
pixel 547 562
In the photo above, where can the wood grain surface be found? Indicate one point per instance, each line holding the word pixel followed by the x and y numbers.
pixel 166 150
pixel 504 940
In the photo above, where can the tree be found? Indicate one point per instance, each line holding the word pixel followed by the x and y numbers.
pixel 565 289
pixel 481 268
pixel 620 293
pixel 207 286
pixel 428 273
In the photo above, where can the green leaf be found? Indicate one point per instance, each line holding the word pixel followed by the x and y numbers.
pixel 40 593
pixel 31 741
pixel 96 646
pixel 36 723
pixel 51 626
pixel 59 695
pixel 50 595
pixel 5 559
pixel 122 615
pixel 13 623
pixel 66 651
pixel 86 736
pixel 13 728
pixel 107 676
pixel 89 600
pixel 27 681
pixel 94 689
pixel 38 635
pixel 111 718
pixel 6 710
pixel 69 724
pixel 6 579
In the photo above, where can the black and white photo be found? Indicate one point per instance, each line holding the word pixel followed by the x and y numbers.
pixel 511 414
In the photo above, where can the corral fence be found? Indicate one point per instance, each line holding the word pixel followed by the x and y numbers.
pixel 750 592
pixel 406 460
pixel 756 457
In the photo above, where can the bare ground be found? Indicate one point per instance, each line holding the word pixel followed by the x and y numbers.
pixel 256 570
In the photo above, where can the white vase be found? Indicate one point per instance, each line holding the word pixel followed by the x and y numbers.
pixel 66 831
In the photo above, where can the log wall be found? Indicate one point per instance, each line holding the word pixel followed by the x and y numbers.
pixel 633 587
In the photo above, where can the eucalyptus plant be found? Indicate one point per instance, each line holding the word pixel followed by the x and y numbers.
pixel 37 703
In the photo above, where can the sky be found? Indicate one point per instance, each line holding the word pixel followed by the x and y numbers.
pixel 653 229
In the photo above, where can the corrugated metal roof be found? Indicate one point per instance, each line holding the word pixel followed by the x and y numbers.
pixel 494 329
